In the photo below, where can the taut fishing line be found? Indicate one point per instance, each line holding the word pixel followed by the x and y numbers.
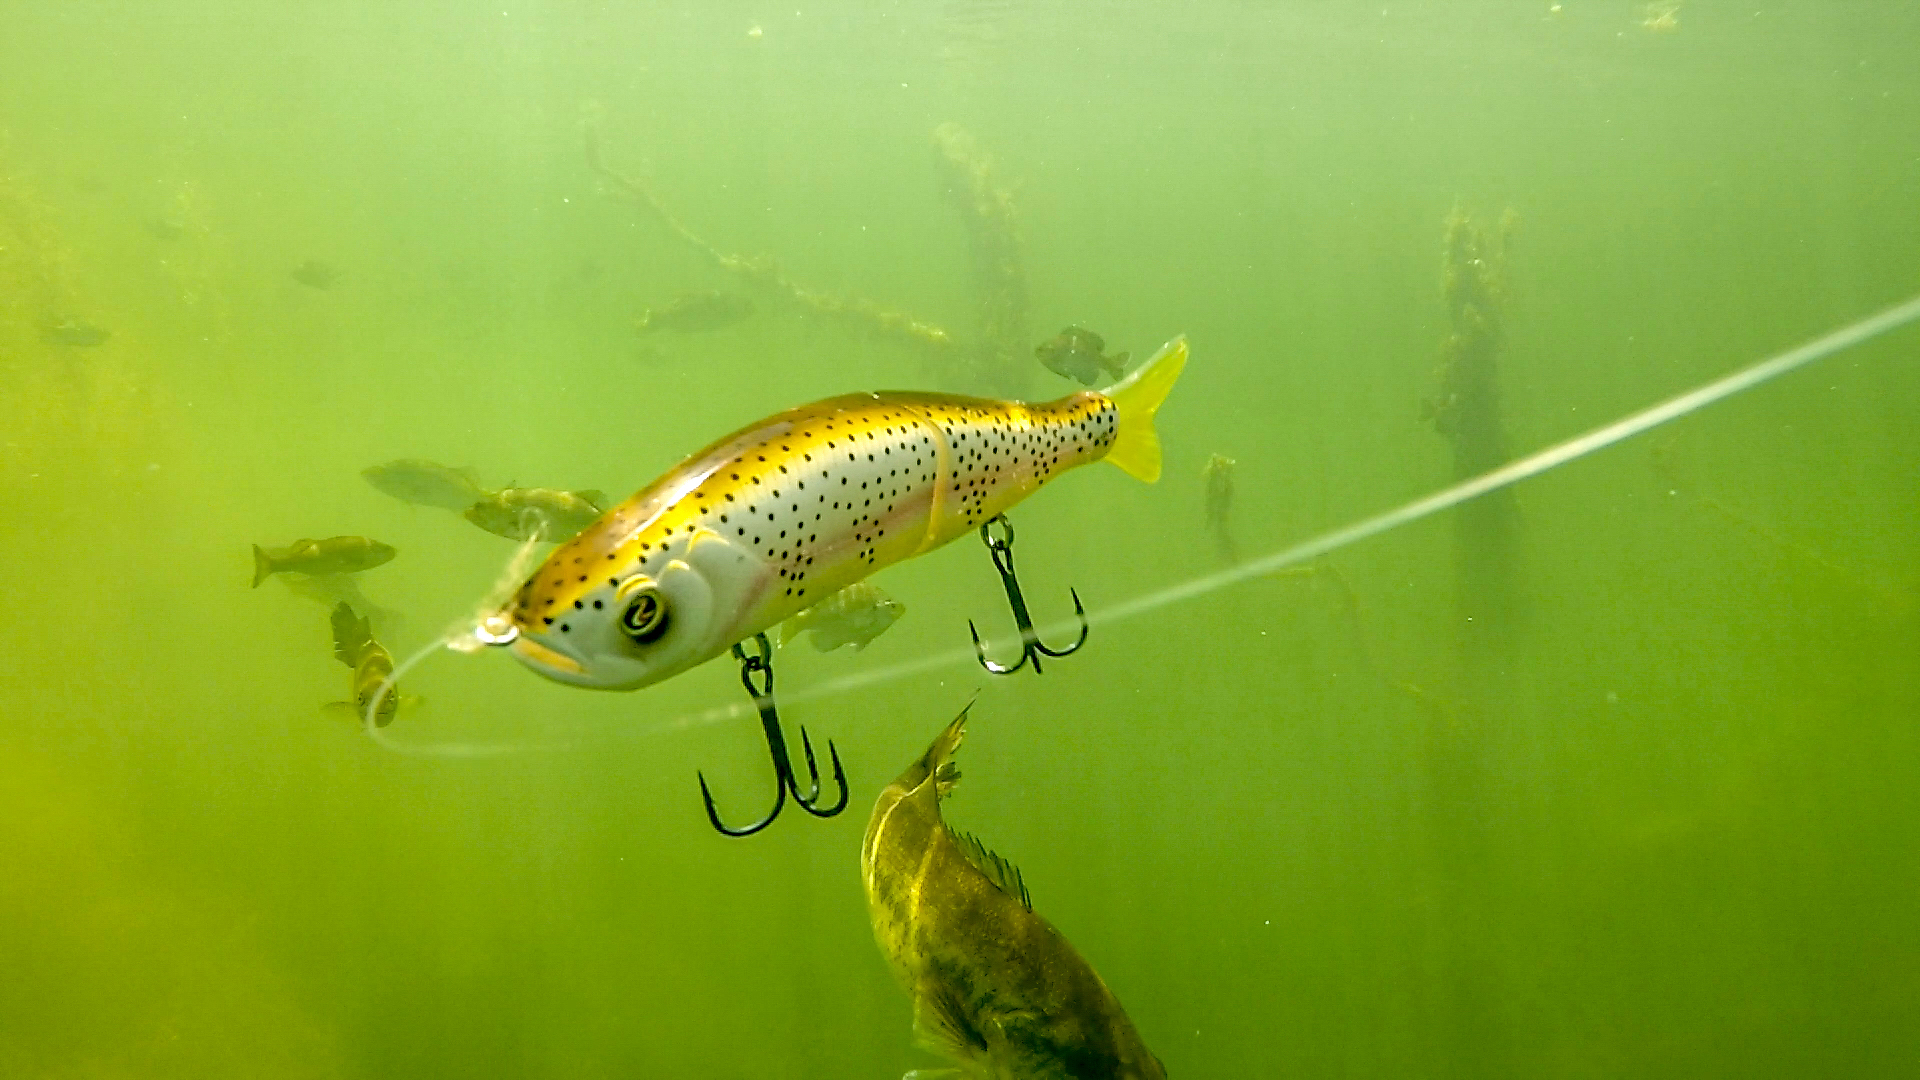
pixel 462 636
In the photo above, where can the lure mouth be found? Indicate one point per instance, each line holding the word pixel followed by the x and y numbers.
pixel 499 629
pixel 496 629
pixel 544 660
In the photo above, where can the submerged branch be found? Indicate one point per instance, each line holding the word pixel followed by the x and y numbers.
pixel 764 273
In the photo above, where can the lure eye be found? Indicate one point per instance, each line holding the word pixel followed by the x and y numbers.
pixel 645 616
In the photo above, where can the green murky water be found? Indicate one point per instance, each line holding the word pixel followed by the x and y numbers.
pixel 1634 796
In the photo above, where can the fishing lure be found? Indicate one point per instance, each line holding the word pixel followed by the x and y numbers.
pixel 780 515
pixel 765 522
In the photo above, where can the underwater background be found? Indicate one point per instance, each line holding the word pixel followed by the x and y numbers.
pixel 1611 776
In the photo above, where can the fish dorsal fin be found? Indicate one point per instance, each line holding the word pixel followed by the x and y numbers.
pixel 351 635
pixel 593 497
pixel 1004 875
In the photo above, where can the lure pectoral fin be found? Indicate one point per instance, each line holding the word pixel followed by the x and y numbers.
pixel 1136 446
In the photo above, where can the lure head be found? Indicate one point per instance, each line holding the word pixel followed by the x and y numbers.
pixel 623 630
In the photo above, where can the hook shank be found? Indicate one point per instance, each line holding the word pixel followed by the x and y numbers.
pixel 1031 648
pixel 786 782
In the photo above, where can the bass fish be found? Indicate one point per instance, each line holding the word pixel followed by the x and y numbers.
pixel 994 986
pixel 767 521
pixel 426 483
pixel 853 616
pixel 521 513
pixel 334 555
pixel 353 645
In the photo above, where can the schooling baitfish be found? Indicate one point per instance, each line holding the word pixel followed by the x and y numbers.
pixel 765 522
pixel 994 986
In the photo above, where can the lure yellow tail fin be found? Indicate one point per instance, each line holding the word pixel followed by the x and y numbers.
pixel 1136 447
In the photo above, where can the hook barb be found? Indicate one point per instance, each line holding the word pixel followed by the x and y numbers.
pixel 785 780
pixel 1031 647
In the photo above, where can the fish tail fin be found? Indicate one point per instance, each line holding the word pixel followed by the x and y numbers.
pixel 939 757
pixel 1117 363
pixel 1136 447
pixel 262 566
pixel 350 634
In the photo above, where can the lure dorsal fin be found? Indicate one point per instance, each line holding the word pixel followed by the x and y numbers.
pixel 1004 875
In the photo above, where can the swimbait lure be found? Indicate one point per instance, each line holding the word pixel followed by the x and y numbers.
pixel 765 522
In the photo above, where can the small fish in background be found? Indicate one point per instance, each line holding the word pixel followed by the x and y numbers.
pixel 330 589
pixel 354 646
pixel 521 513
pixel 167 226
pixel 316 274
pixel 994 986
pixel 76 332
pixel 334 555
pixel 1218 473
pixel 1078 353
pixel 696 312
pixel 853 616
pixel 426 483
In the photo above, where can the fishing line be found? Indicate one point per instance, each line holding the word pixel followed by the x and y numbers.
pixel 462 636
pixel 1505 476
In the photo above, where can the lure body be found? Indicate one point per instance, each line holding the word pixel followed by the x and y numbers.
pixel 765 522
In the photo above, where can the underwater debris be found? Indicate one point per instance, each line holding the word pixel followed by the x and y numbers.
pixel 1884 593
pixel 763 272
pixel 995 987
pixel 1218 474
pixel 999 256
pixel 998 251
pixel 1660 17
pixel 1078 353
pixel 1466 411
pixel 1323 574
pixel 697 311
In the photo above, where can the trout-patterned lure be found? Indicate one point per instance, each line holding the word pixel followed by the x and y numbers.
pixel 765 522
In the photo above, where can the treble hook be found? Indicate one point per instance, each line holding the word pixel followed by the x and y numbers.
pixel 785 780
pixel 1001 547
